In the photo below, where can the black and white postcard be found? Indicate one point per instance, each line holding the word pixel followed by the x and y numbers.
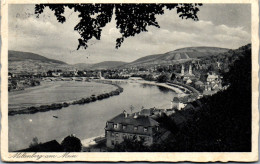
pixel 129 80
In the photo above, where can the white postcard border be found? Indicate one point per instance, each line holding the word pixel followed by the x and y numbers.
pixel 116 157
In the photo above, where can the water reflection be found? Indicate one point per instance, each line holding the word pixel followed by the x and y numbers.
pixel 163 89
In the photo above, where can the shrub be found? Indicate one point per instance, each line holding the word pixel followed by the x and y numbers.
pixel 71 144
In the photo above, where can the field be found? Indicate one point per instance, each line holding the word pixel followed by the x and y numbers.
pixel 55 92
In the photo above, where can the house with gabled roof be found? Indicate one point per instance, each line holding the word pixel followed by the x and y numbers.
pixel 176 103
pixel 145 112
pixel 130 126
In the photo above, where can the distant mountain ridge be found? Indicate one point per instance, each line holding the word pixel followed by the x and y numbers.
pixel 19 56
pixel 182 54
pixel 107 64
pixel 187 53
pixel 30 62
pixel 101 65
pixel 82 66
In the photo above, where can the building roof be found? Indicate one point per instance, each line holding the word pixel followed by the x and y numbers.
pixel 189 106
pixel 176 100
pixel 146 112
pixel 199 83
pixel 130 120
pixel 212 76
pixel 193 105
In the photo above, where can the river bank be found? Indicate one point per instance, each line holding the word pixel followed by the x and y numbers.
pixel 176 89
pixel 85 100
pixel 181 91
pixel 60 105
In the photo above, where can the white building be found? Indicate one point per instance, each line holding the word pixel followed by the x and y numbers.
pixel 177 104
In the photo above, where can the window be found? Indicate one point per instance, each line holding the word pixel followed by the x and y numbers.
pixel 115 126
pixel 112 142
pixel 135 128
pixel 124 126
pixel 145 129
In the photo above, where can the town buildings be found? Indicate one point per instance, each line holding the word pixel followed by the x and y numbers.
pixel 176 103
pixel 186 76
pixel 214 82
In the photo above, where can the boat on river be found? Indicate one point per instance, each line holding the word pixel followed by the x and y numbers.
pixel 79 79
pixel 66 79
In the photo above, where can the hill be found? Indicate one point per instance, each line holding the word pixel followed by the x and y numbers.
pixel 107 65
pixel 82 66
pixel 30 62
pixel 21 56
pixel 179 55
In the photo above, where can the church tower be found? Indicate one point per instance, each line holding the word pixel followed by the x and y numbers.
pixel 182 70
pixel 190 70
pixel 218 64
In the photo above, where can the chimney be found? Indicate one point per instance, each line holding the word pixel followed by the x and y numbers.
pixel 160 113
pixel 135 115
pixel 125 113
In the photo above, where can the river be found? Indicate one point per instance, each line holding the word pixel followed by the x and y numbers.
pixel 86 120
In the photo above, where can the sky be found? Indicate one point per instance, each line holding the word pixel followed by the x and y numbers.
pixel 219 25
